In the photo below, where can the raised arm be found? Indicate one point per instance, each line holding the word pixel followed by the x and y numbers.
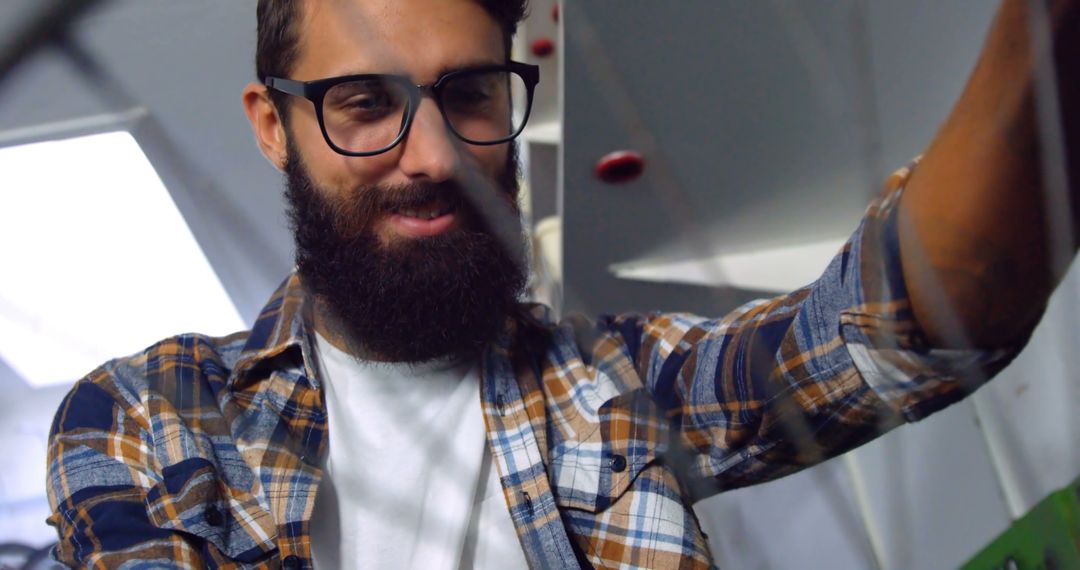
pixel 986 226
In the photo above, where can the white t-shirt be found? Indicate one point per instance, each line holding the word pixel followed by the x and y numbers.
pixel 409 481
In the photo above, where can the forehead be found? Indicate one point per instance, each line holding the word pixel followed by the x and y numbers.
pixel 417 37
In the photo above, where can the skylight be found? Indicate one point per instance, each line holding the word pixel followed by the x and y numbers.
pixel 97 260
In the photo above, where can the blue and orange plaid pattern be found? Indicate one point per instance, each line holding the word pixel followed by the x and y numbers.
pixel 206 452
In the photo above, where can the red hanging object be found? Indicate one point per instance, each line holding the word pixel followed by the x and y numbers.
pixel 543 47
pixel 555 12
pixel 620 166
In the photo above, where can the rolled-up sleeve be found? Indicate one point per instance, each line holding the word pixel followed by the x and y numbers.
pixel 882 336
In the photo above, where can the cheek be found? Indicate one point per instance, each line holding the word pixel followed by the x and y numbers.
pixel 340 173
pixel 490 160
pixel 362 171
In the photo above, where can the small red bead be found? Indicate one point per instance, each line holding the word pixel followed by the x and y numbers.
pixel 543 47
pixel 620 166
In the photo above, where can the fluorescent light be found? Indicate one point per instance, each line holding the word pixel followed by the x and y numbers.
pixel 780 269
pixel 97 260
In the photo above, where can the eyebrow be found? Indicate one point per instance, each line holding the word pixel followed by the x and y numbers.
pixel 473 65
pixel 440 73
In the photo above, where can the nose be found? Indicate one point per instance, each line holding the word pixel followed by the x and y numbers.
pixel 430 151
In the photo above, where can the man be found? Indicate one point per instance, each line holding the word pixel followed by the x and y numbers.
pixel 590 441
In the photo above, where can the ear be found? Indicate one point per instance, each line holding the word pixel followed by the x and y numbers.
pixel 269 129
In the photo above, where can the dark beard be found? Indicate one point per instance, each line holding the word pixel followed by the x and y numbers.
pixel 412 299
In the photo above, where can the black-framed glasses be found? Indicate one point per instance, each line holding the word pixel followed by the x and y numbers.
pixel 365 115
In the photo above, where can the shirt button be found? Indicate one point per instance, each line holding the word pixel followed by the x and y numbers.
pixel 618 463
pixel 213 516
pixel 528 502
pixel 292 562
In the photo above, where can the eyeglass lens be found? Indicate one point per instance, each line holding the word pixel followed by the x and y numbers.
pixel 368 115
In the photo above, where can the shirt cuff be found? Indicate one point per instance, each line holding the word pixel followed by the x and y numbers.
pixel 885 342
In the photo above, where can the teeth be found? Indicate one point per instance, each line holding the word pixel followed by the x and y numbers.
pixel 426 213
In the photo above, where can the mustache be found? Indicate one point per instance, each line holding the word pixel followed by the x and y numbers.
pixel 410 196
pixel 354 212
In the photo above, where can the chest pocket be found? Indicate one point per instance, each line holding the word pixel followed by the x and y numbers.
pixel 596 469
pixel 192 499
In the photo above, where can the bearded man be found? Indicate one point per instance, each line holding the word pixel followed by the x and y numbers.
pixel 397 405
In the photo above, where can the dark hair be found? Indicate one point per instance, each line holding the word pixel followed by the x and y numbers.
pixel 278 32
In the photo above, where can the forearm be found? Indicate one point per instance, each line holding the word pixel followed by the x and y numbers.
pixel 977 230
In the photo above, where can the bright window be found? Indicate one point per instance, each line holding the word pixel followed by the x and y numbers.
pixel 96 260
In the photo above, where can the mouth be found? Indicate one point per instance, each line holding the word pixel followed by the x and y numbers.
pixel 429 219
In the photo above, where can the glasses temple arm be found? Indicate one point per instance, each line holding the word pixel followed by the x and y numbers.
pixel 287 86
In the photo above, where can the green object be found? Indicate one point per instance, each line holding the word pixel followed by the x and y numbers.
pixel 1046 538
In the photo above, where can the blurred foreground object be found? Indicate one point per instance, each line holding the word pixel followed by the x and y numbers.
pixel 1047 537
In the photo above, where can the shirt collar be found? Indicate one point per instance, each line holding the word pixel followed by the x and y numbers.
pixel 284 324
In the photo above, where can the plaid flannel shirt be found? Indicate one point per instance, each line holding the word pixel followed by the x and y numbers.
pixel 206 452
